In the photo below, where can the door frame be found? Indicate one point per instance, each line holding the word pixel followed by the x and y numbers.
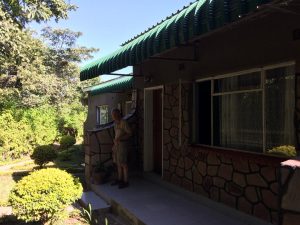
pixel 148 127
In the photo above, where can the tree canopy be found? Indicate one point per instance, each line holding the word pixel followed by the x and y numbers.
pixel 40 91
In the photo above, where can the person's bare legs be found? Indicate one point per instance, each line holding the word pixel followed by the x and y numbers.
pixel 120 177
pixel 125 183
pixel 125 173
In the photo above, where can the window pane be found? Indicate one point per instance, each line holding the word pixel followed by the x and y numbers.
pixel 238 83
pixel 204 115
pixel 103 114
pixel 238 121
pixel 279 106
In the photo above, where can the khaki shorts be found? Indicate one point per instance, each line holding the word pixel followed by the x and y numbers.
pixel 120 153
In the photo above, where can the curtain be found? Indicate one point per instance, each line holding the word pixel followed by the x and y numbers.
pixel 279 107
pixel 238 115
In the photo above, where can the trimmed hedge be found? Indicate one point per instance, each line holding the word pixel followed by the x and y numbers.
pixel 67 141
pixel 43 154
pixel 44 194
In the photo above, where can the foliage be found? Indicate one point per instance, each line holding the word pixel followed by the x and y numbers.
pixel 67 141
pixel 87 215
pixel 43 194
pixel 25 11
pixel 63 51
pixel 43 123
pixel 24 129
pixel 40 91
pixel 43 154
pixel 284 150
pixel 65 155
pixel 71 119
pixel 15 136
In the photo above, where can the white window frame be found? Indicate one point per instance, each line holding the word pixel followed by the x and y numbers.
pixel 262 71
pixel 127 103
pixel 98 114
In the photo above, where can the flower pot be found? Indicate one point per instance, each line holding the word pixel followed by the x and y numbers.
pixel 98 177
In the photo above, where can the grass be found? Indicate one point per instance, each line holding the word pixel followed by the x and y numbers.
pixel 73 165
pixel 6 183
pixel 2 163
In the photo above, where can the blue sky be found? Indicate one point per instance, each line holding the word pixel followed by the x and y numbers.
pixel 107 24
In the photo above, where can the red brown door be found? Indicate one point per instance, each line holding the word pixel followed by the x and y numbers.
pixel 157 131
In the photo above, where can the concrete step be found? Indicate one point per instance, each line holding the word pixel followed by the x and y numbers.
pixel 116 208
pixel 97 203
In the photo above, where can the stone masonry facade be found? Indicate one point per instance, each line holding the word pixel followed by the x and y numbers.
pixel 243 181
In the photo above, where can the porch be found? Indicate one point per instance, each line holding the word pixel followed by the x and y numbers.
pixel 149 200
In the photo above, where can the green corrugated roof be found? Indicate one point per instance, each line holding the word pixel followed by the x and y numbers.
pixel 118 84
pixel 194 20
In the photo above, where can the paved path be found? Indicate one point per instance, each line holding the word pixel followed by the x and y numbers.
pixel 155 204
pixel 8 166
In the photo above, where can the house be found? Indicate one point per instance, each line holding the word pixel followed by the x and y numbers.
pixel 217 87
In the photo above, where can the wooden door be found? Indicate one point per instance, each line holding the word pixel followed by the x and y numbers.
pixel 157 131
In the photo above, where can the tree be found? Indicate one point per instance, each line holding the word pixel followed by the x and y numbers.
pixel 63 52
pixel 25 11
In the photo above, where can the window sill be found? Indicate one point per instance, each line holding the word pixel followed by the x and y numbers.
pixel 236 153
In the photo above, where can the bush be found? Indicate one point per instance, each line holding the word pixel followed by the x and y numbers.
pixel 24 129
pixel 15 137
pixel 43 123
pixel 65 155
pixel 284 150
pixel 67 141
pixel 71 119
pixel 44 194
pixel 43 154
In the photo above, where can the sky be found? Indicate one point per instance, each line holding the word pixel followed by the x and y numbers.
pixel 107 24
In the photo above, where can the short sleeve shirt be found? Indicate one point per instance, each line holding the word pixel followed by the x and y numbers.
pixel 122 128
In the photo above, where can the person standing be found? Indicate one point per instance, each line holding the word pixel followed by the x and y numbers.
pixel 120 150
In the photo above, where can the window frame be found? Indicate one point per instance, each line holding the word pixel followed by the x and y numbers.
pixel 126 103
pixel 262 71
pixel 98 114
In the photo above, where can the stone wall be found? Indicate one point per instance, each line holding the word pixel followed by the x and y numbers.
pixel 243 181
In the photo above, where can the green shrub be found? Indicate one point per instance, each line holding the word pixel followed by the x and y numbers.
pixel 43 123
pixel 284 150
pixel 67 141
pixel 71 119
pixel 43 154
pixel 65 155
pixel 15 136
pixel 44 194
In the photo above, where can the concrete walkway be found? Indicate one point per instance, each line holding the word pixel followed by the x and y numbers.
pixel 154 202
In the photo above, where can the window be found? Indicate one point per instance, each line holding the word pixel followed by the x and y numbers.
pixel 128 105
pixel 252 111
pixel 102 114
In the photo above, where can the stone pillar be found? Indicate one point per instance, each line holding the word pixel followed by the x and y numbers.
pixel 290 183
pixel 87 159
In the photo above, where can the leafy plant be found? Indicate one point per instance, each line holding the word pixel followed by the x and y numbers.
pixel 44 194
pixel 67 141
pixel 87 215
pixel 65 155
pixel 284 150
pixel 43 154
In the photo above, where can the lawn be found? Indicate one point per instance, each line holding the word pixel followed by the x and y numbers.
pixel 73 163
pixel 6 183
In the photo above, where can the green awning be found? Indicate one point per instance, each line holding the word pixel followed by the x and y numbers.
pixel 118 84
pixel 194 20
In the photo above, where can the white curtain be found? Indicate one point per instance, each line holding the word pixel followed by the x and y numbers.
pixel 238 118
pixel 280 104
